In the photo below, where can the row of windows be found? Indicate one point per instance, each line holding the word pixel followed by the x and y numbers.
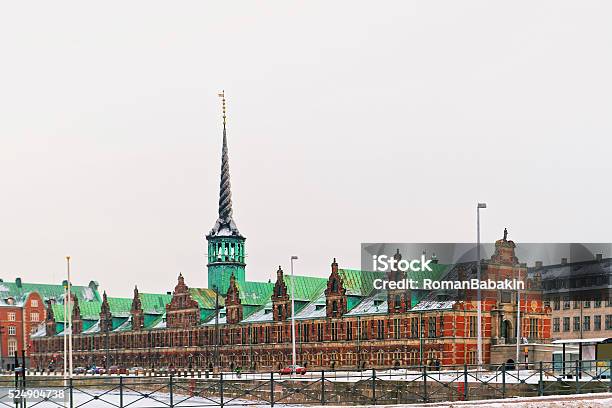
pixel 586 304
pixel 427 327
pixel 34 316
pixel 586 323
pixel 583 282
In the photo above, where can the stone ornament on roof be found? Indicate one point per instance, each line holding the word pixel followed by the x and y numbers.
pixel 504 251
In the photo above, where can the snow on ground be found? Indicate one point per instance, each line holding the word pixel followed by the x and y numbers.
pixel 137 400
pixel 600 400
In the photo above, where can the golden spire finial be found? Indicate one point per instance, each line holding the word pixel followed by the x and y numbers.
pixel 222 96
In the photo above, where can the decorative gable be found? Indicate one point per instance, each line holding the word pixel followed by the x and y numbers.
pixel 106 318
pixel 50 319
pixel 136 311
pixel 233 305
pixel 182 311
pixel 398 300
pixel 335 294
pixel 281 303
pixel 77 323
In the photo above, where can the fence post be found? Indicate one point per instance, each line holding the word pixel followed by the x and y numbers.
pixel 171 391
pixel 221 388
pixel 373 386
pixel 577 383
pixel 610 375
pixel 70 388
pixel 541 383
pixel 271 388
pixel 465 383
pixel 120 392
pixel 504 380
pixel 322 387
pixel 425 399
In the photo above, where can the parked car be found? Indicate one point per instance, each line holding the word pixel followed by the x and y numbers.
pixel 79 370
pixel 297 369
pixel 96 370
pixel 117 370
pixel 136 371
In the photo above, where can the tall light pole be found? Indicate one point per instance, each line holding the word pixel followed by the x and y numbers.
pixel 518 323
pixel 478 296
pixel 293 258
pixel 216 289
pixel 65 339
pixel 69 309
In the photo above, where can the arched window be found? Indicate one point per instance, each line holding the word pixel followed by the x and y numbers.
pixel 335 307
pixel 334 285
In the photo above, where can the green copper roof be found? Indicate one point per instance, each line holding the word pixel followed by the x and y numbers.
pixel 19 289
pixel 89 310
pixel 154 303
pixel 306 288
pixel 120 307
pixel 152 320
pixel 255 293
pixel 205 297
pixel 359 283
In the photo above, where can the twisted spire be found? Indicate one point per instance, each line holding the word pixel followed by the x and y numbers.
pixel 225 224
pixel 225 187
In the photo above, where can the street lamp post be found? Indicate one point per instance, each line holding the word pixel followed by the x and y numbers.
pixel 216 289
pixel 69 307
pixel 478 295
pixel 293 258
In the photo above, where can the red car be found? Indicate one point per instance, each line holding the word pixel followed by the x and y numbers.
pixel 117 370
pixel 292 369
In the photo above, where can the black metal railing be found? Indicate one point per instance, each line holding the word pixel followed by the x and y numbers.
pixel 415 384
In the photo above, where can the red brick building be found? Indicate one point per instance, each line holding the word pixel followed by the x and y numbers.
pixel 331 333
pixel 19 318
pixel 342 321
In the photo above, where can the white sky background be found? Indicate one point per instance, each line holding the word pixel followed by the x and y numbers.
pixel 349 122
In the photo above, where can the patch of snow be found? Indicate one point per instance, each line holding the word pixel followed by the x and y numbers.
pixel 88 294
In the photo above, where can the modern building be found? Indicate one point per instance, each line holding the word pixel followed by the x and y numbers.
pixel 579 296
pixel 342 320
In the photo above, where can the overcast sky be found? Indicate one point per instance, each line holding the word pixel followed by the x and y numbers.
pixel 348 122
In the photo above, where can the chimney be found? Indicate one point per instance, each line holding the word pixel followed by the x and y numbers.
pixel 598 257
pixel 538 264
pixel 18 282
pixel 563 261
